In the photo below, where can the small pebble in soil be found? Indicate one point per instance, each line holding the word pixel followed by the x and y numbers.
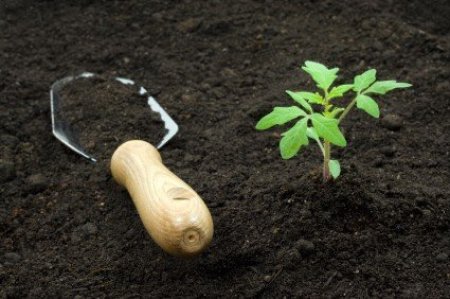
pixel 267 278
pixel 187 98
pixel 7 170
pixel 388 150
pixel 392 122
pixel 305 247
pixel 157 16
pixel 442 257
pixel 11 258
pixel 189 25
pixel 205 86
pixel 36 183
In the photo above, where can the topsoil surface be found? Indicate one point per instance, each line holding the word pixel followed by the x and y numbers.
pixel 382 230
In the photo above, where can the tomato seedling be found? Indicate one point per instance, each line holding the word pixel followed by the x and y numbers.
pixel 319 116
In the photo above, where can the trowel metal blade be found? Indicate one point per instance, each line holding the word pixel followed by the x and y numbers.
pixel 63 132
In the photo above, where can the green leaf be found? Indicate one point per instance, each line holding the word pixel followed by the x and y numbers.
pixel 323 76
pixel 328 129
pixel 293 139
pixel 335 168
pixel 279 116
pixel 314 98
pixel 311 133
pixel 296 96
pixel 367 104
pixel 338 91
pixel 364 80
pixel 381 87
pixel 334 112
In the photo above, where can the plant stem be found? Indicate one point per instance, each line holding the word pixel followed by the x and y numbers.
pixel 347 110
pixel 321 147
pixel 326 160
pixel 326 148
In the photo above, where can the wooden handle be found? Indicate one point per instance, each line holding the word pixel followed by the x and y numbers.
pixel 172 212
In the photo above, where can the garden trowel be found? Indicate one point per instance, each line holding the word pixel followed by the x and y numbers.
pixel 172 212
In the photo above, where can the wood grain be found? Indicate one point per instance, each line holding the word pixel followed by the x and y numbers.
pixel 172 212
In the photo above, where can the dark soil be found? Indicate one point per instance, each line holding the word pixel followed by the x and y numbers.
pixel 382 230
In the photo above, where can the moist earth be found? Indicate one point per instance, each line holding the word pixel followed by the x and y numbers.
pixel 381 230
